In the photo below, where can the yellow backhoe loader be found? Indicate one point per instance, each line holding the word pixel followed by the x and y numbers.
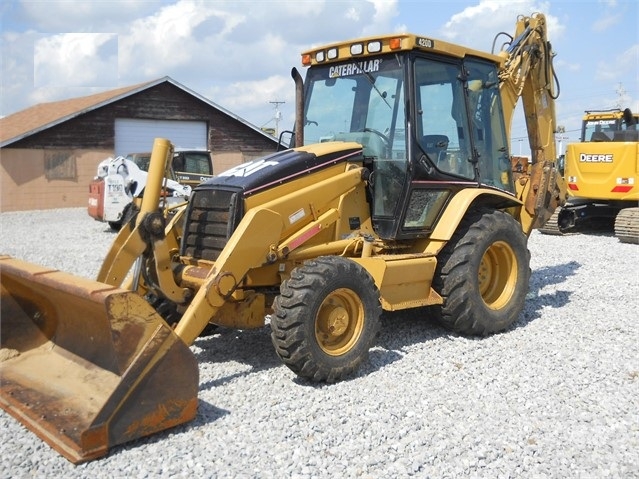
pixel 399 194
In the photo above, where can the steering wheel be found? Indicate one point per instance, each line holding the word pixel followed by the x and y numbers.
pixel 385 139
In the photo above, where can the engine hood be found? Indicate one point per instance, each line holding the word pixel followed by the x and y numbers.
pixel 283 166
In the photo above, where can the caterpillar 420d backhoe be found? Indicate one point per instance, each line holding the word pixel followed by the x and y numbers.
pixel 399 194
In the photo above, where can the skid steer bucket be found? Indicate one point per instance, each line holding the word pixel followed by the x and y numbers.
pixel 86 366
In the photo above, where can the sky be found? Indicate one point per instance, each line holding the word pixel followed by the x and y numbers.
pixel 239 54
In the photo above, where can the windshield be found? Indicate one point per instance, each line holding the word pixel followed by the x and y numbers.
pixel 600 130
pixel 192 162
pixel 141 160
pixel 363 102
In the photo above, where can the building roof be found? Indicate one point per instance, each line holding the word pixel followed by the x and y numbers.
pixel 42 116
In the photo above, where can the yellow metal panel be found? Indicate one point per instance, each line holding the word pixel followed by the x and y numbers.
pixel 403 281
pixel 246 314
pixel 596 168
pixel 300 202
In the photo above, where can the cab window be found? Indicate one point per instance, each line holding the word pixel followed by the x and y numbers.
pixel 441 119
pixel 487 125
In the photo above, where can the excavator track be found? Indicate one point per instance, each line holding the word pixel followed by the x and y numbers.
pixel 627 225
pixel 551 227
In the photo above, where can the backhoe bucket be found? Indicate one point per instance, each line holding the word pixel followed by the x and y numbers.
pixel 86 366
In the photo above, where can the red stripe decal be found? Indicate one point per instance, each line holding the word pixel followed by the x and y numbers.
pixel 305 237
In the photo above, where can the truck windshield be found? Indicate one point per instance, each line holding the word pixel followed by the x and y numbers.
pixel 363 101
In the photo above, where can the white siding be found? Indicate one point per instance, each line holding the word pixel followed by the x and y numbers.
pixel 137 136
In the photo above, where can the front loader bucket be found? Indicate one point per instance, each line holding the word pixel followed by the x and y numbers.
pixel 86 366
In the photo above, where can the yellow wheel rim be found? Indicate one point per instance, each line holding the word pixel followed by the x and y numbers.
pixel 498 275
pixel 339 322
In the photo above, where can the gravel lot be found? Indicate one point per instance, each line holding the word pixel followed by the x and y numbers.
pixel 556 396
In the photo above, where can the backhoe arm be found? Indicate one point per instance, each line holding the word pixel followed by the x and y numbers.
pixel 528 73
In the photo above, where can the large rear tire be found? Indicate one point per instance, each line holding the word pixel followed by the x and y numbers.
pixel 483 274
pixel 326 318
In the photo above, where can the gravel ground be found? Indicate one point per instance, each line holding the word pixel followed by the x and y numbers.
pixel 555 396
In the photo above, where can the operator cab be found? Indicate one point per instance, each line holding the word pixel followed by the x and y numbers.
pixel 610 125
pixel 430 124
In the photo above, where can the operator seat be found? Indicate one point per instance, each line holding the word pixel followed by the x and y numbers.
pixel 435 147
pixel 599 136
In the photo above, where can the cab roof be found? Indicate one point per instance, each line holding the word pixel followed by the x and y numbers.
pixel 391 43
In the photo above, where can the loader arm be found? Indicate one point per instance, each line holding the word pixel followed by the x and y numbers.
pixel 129 243
pixel 528 73
pixel 264 224
pixel 149 232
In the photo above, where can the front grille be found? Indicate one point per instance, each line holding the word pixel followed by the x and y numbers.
pixel 211 218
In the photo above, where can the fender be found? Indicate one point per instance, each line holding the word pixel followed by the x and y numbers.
pixel 462 201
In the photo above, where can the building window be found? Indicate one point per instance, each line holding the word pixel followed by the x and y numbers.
pixel 60 165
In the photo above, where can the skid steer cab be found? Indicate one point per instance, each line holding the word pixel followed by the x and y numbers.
pixel 399 194
pixel 115 192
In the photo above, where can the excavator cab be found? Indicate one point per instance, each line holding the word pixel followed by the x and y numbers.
pixel 429 125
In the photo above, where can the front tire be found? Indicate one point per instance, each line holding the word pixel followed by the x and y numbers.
pixel 128 213
pixel 326 318
pixel 483 274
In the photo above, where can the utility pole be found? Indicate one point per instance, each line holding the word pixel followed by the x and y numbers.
pixel 561 130
pixel 278 116
pixel 622 96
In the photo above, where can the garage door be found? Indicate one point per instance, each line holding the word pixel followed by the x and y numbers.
pixel 133 136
